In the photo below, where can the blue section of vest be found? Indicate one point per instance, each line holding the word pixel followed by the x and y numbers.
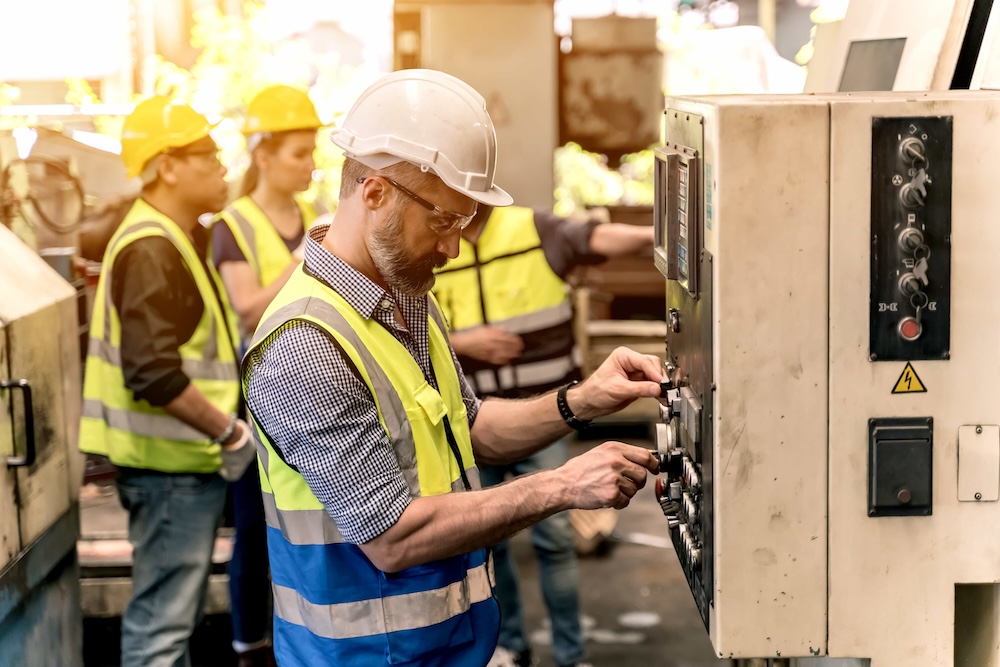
pixel 465 641
pixel 340 573
pixel 336 573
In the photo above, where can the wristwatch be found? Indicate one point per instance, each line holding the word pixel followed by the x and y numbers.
pixel 571 420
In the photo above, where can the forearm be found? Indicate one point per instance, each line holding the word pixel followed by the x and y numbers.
pixel 192 408
pixel 437 527
pixel 617 239
pixel 462 342
pixel 251 308
pixel 511 430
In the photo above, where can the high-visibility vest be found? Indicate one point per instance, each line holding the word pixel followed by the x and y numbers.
pixel 504 280
pixel 132 433
pixel 258 239
pixel 332 605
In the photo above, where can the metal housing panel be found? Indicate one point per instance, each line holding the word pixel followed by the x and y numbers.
pixel 875 610
pixel 766 238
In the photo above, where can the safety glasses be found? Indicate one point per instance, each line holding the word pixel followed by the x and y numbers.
pixel 441 221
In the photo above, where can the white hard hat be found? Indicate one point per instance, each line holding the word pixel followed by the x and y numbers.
pixel 431 119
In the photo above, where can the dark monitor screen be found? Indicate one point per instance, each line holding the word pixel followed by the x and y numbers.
pixel 872 65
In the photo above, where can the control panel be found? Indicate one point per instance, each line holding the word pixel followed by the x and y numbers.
pixel 829 438
pixel 684 431
pixel 911 238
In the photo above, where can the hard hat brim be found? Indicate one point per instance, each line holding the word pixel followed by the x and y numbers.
pixel 495 196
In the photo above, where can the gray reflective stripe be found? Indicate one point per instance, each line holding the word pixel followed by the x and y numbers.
pixel 249 233
pixel 394 613
pixel 396 422
pixel 301 526
pixel 436 315
pixel 195 369
pixel 523 375
pixel 473 475
pixel 536 321
pixel 141 423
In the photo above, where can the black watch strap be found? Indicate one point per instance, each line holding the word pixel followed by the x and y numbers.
pixel 571 420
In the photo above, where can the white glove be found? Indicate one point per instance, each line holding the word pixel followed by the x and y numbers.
pixel 237 457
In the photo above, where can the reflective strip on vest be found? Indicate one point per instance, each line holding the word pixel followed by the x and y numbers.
pixel 399 429
pixel 540 319
pixel 140 423
pixel 249 234
pixel 377 616
pixel 195 369
pixel 259 241
pixel 524 375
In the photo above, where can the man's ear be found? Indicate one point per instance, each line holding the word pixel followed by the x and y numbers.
pixel 373 194
pixel 166 170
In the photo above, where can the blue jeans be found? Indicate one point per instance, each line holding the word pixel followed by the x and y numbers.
pixel 172 521
pixel 560 579
pixel 249 581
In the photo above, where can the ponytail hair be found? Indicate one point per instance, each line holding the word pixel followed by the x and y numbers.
pixel 265 141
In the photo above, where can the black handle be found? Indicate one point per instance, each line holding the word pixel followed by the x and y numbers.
pixel 29 425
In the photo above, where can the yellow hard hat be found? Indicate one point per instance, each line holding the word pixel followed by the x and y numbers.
pixel 280 109
pixel 157 125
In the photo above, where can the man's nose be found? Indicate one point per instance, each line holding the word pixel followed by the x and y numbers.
pixel 449 244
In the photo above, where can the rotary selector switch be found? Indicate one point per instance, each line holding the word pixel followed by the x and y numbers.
pixel 910 239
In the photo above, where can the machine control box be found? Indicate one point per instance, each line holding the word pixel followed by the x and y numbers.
pixel 911 238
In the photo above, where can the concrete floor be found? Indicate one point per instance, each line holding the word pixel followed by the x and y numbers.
pixel 634 572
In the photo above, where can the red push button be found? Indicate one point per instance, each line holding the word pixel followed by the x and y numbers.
pixel 909 329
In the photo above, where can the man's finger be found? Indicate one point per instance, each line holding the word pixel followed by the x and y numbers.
pixel 642 456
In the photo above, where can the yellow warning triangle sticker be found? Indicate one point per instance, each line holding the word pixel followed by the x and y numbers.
pixel 908 382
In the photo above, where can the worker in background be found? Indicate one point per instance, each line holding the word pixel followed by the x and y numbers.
pixel 161 392
pixel 256 244
pixel 512 329
pixel 369 435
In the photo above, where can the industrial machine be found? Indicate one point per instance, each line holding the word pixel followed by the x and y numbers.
pixel 831 446
pixel 40 468
pixel 908 45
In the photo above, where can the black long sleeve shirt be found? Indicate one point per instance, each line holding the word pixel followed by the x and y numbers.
pixel 159 307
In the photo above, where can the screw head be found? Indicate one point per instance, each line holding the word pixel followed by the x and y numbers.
pixel 979 496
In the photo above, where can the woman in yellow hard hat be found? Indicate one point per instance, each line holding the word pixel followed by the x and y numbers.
pixel 255 250
pixel 256 240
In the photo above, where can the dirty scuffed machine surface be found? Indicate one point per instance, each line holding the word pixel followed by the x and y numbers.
pixel 832 450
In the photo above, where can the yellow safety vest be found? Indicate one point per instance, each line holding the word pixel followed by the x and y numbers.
pixel 504 280
pixel 257 238
pixel 133 433
pixel 332 606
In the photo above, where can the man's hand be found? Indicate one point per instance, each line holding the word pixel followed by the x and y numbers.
pixel 490 344
pixel 623 377
pixel 608 475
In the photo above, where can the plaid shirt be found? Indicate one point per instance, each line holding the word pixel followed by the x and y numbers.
pixel 323 418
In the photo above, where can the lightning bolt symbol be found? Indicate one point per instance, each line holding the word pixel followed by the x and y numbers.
pixel 907 378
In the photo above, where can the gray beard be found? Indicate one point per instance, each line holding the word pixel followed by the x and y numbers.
pixel 412 277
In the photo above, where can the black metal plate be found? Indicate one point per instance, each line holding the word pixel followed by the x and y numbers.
pixel 890 218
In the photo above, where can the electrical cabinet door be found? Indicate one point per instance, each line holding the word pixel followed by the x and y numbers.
pixel 44 351
pixel 10 536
